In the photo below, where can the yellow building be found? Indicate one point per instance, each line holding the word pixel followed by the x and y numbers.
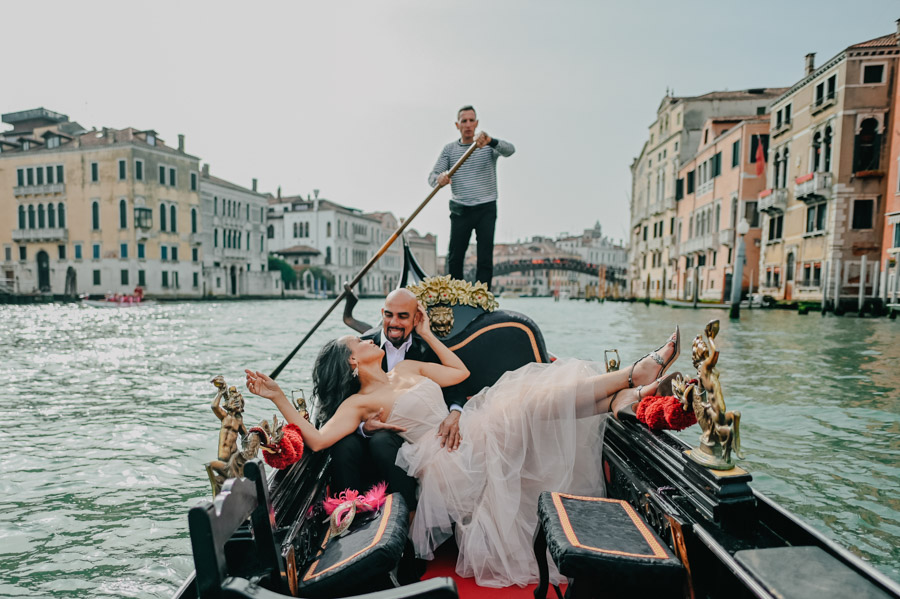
pixel 825 201
pixel 95 212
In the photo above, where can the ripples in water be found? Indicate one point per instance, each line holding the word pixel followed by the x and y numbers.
pixel 109 426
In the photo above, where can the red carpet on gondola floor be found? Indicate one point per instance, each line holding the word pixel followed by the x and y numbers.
pixel 444 564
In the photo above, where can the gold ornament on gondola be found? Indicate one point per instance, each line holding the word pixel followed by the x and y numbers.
pixel 721 428
pixel 439 294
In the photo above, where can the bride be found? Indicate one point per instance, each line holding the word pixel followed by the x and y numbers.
pixel 538 428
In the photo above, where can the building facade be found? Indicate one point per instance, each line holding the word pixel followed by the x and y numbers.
pixel 716 190
pixel 673 139
pixel 235 257
pixel 96 212
pixel 346 239
pixel 823 227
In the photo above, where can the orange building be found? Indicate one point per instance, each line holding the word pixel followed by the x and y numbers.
pixel 717 189
pixel 890 243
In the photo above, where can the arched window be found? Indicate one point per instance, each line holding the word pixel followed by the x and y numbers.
pixel 215 238
pixel 867 146
pixel 123 214
pixel 22 217
pixel 306 230
pixel 228 238
pixel 328 233
pixel 777 168
pixel 51 216
pixel 193 220
pixel 827 150
pixel 61 209
pixel 262 243
pixel 270 230
pixel 817 152
pixel 172 222
pixel 42 222
pixel 95 216
pixel 31 217
pixel 785 164
pixel 215 205
pixel 238 234
pixel 296 229
pixel 162 217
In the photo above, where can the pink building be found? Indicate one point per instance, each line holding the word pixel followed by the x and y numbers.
pixel 717 189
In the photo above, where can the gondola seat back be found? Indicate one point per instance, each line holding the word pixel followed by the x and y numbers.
pixel 491 344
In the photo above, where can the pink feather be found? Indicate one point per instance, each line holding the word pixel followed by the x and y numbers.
pixel 370 502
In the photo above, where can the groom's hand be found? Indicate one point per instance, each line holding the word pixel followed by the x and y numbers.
pixel 373 423
pixel 449 431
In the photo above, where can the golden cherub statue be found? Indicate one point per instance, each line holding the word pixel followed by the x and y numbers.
pixel 230 462
pixel 703 395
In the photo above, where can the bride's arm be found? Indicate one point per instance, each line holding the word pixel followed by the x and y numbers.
pixel 451 370
pixel 344 422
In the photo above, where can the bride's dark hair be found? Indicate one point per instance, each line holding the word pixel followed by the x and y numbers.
pixel 333 380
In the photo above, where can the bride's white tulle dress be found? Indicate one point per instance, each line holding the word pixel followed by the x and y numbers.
pixel 532 431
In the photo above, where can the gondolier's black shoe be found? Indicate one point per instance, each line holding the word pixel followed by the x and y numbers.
pixel 657 356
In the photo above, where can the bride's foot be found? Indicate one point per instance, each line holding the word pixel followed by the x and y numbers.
pixel 622 403
pixel 652 366
pixel 624 408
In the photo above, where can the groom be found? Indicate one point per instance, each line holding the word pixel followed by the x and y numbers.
pixel 367 457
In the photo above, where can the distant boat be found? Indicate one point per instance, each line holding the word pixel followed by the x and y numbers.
pixel 681 304
pixel 124 303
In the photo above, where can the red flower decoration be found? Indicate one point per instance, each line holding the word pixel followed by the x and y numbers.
pixel 664 413
pixel 288 450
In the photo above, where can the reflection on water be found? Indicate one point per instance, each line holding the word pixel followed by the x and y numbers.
pixel 108 422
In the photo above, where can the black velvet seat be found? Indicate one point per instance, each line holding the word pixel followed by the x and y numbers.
pixel 363 557
pixel 602 546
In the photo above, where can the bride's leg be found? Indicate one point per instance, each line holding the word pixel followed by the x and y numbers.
pixel 610 392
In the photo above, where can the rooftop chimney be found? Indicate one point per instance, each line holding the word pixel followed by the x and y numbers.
pixel 206 170
pixel 254 185
pixel 810 63
pixel 316 193
pixel 898 31
pixel 180 142
pixel 279 192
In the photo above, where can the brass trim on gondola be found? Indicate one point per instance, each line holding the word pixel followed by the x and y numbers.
pixel 518 325
pixel 658 551
pixel 385 517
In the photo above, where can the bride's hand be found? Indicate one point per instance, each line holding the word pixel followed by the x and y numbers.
pixel 260 384
pixel 423 323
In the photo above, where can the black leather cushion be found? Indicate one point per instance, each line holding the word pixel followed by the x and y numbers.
pixel 606 539
pixel 369 550
pixel 806 573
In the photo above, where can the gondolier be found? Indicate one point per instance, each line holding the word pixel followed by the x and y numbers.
pixel 473 205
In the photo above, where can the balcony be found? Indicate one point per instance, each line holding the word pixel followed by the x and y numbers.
pixel 813 187
pixel 779 129
pixel 654 244
pixel 774 202
pixel 39 190
pixel 671 241
pixel 823 104
pixel 699 244
pixel 58 234
pixel 704 188
pixel 196 239
pixel 726 237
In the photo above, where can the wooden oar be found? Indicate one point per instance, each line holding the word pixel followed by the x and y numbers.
pixel 349 286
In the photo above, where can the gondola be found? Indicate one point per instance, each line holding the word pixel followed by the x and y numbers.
pixel 731 541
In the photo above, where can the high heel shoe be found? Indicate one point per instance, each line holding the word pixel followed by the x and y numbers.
pixel 656 357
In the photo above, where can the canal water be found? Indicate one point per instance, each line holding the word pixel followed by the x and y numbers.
pixel 108 424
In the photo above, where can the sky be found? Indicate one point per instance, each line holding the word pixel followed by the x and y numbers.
pixel 356 99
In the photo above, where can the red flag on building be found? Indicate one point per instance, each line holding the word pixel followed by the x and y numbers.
pixel 760 157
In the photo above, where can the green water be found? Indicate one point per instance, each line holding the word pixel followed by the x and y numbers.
pixel 109 422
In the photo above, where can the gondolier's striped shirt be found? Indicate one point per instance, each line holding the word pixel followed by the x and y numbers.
pixel 476 180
